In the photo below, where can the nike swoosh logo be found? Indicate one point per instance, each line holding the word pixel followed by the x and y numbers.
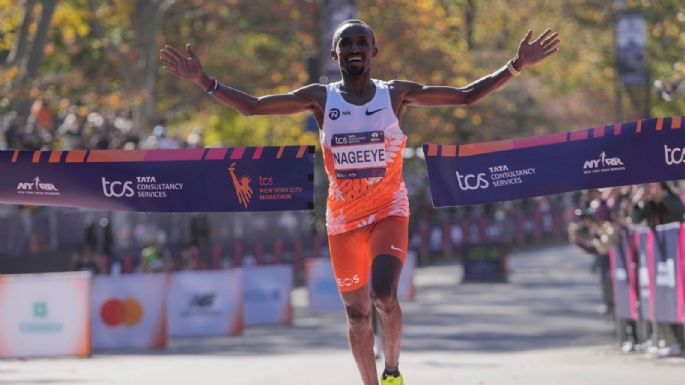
pixel 369 113
pixel 392 247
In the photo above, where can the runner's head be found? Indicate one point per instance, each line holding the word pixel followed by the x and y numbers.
pixel 354 45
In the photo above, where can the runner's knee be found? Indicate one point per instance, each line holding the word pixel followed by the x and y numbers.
pixel 385 272
pixel 385 303
pixel 358 316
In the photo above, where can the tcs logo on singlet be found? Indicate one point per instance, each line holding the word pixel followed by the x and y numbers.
pixel 121 312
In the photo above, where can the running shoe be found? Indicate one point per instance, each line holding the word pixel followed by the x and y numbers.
pixel 390 380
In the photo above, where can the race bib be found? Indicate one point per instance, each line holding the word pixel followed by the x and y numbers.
pixel 359 155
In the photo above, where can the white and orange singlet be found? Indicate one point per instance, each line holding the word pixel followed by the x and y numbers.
pixel 367 211
pixel 362 152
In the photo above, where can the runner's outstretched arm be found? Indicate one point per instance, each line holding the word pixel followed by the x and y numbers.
pixel 528 54
pixel 190 68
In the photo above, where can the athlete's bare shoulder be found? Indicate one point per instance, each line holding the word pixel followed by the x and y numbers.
pixel 399 89
pixel 315 95
pixel 402 86
pixel 316 92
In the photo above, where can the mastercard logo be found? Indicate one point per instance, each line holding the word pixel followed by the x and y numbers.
pixel 115 312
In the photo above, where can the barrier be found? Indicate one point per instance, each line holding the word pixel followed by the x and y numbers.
pixel 622 259
pixel 266 292
pixel 681 277
pixel 323 293
pixel 642 239
pixel 205 303
pixel 665 272
pixel 44 315
pixel 406 290
pixel 322 290
pixel 485 263
pixel 660 256
pixel 129 312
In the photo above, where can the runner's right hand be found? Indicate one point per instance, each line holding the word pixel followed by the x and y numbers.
pixel 175 63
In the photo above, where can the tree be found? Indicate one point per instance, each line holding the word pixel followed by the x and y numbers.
pixel 103 56
pixel 27 54
pixel 21 40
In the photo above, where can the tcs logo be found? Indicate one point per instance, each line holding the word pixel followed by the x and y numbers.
pixel 117 189
pixel 472 182
pixel 124 312
pixel 674 156
pixel 340 140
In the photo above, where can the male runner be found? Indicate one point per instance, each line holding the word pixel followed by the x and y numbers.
pixel 367 208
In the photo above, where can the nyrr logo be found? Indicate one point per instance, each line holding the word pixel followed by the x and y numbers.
pixel 602 162
pixel 472 182
pixel 117 189
pixel 242 187
pixel 126 312
pixel 36 187
pixel 674 156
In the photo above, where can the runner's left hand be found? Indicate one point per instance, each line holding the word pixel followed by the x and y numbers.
pixel 530 53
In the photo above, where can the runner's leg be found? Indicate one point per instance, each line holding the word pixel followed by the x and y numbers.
pixel 385 278
pixel 358 309
pixel 351 258
pixel 389 241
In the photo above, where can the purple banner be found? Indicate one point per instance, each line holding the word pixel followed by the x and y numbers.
pixel 664 271
pixel 615 155
pixel 184 180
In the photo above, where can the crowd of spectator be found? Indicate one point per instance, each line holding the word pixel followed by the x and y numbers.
pixel 66 126
pixel 600 217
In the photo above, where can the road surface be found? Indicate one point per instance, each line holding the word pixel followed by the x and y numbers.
pixel 544 327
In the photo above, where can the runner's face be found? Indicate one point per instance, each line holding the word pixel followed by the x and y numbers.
pixel 354 50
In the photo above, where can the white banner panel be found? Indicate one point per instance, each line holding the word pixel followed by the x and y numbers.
pixel 321 287
pixel 205 303
pixel 44 315
pixel 266 292
pixel 405 289
pixel 128 311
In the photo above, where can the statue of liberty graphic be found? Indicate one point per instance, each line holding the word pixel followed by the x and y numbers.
pixel 242 187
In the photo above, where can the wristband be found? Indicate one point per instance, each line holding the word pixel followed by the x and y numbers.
pixel 213 87
pixel 512 69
